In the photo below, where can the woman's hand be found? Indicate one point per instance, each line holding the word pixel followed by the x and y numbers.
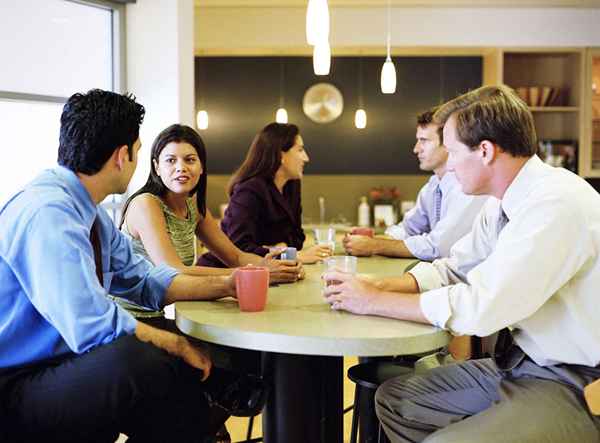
pixel 314 254
pixel 282 271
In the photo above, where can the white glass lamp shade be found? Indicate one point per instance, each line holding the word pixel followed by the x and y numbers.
pixel 317 22
pixel 202 120
pixel 388 77
pixel 281 116
pixel 322 58
pixel 360 119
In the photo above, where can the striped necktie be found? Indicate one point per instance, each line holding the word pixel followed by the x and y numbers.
pixel 502 221
pixel 437 199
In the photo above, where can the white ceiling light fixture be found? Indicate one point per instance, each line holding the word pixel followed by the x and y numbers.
pixel 281 116
pixel 202 115
pixel 202 120
pixel 388 71
pixel 360 117
pixel 317 22
pixel 322 58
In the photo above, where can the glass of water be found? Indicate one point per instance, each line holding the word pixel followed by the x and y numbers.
pixel 340 263
pixel 326 237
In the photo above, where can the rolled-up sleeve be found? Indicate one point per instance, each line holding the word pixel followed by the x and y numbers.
pixel 133 277
pixel 502 290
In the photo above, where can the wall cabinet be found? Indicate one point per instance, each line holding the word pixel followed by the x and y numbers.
pixel 591 156
pixel 550 81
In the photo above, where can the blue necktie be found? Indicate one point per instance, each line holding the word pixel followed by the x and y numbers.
pixel 437 197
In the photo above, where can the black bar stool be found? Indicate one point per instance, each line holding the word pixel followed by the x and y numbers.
pixel 368 377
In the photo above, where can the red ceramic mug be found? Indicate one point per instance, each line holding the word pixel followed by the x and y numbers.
pixel 369 232
pixel 251 287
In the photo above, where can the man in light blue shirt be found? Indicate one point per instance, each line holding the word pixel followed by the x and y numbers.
pixel 442 215
pixel 74 366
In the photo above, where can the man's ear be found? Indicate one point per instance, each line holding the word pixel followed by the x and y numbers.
pixel 122 156
pixel 488 151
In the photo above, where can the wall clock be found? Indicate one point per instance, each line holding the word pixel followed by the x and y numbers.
pixel 323 103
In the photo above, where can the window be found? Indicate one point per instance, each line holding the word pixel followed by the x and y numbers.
pixel 51 50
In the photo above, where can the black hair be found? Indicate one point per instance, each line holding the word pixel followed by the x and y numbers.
pixel 154 185
pixel 94 125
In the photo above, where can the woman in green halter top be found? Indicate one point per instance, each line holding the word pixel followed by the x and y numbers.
pixel 168 215
pixel 166 218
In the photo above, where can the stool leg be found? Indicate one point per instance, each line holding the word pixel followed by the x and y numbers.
pixel 355 414
pixel 250 426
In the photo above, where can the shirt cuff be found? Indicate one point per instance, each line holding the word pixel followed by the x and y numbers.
pixel 427 276
pixel 397 232
pixel 159 279
pixel 419 246
pixel 126 321
pixel 435 305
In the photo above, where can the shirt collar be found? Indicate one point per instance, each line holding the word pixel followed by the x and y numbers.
pixel 81 197
pixel 517 192
pixel 445 183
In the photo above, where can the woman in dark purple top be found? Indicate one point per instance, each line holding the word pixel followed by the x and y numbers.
pixel 264 206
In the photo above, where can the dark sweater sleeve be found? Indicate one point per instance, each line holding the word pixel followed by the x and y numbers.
pixel 242 219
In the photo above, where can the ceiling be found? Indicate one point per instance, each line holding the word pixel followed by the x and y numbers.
pixel 401 3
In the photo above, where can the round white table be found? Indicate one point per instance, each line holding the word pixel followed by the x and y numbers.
pixel 297 324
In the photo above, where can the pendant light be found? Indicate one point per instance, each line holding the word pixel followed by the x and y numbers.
pixel 360 117
pixel 317 22
pixel 388 71
pixel 202 116
pixel 281 116
pixel 202 120
pixel 322 58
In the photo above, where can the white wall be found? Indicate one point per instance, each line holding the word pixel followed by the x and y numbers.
pixel 222 28
pixel 160 68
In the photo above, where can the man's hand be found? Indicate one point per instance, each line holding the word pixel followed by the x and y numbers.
pixel 349 293
pixel 360 245
pixel 194 356
pixel 282 271
pixel 176 345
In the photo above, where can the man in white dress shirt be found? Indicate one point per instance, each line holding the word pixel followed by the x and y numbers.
pixel 442 215
pixel 530 268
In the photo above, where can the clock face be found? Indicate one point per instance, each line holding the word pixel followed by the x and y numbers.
pixel 323 103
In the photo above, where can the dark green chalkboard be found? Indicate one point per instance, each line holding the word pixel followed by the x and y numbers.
pixel 242 94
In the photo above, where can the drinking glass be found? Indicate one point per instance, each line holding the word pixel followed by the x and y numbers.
pixel 340 263
pixel 325 236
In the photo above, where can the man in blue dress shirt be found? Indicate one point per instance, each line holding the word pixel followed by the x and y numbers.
pixel 442 215
pixel 74 366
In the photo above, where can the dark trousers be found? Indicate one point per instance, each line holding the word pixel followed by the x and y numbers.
pixel 126 386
